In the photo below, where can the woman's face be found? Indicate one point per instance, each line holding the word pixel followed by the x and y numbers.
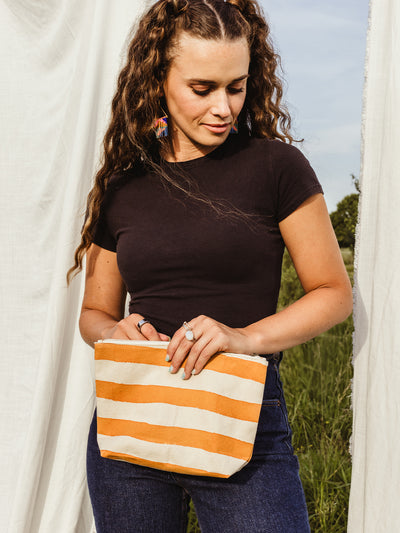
pixel 205 91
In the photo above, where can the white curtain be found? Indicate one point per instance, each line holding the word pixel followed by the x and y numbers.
pixel 59 62
pixel 375 490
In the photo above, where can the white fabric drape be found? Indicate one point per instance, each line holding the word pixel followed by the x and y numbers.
pixel 59 62
pixel 375 490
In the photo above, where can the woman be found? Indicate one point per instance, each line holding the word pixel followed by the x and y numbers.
pixel 193 225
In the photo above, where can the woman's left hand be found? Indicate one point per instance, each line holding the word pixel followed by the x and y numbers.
pixel 209 337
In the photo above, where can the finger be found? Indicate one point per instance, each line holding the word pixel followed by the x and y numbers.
pixel 119 334
pixel 194 360
pixel 182 349
pixel 191 351
pixel 129 326
pixel 145 332
pixel 180 355
pixel 209 350
pixel 175 342
pixel 180 346
pixel 149 332
pixel 127 330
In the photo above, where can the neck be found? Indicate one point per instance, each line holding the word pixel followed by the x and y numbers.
pixel 178 151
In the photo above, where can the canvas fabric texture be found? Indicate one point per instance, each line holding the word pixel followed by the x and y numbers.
pixel 205 425
pixel 60 60
pixel 375 485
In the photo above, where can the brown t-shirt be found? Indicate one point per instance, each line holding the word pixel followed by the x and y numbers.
pixel 179 258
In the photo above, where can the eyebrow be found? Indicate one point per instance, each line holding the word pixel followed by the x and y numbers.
pixel 211 82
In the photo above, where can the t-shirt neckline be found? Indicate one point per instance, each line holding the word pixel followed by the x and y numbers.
pixel 197 161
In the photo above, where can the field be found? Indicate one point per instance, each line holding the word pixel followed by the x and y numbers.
pixel 317 379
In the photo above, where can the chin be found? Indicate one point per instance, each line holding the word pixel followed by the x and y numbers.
pixel 213 139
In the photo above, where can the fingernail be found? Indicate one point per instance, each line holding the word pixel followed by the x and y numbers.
pixel 183 375
pixel 167 358
pixel 170 369
pixel 193 371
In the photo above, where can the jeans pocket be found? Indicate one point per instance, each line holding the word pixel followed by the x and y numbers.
pixel 273 432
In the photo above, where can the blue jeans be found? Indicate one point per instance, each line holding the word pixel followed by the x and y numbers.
pixel 266 496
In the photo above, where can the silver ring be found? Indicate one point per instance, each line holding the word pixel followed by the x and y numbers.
pixel 142 323
pixel 189 332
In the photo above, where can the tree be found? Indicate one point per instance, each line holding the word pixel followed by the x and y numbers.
pixel 344 219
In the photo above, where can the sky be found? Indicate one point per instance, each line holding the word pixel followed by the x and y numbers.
pixel 322 46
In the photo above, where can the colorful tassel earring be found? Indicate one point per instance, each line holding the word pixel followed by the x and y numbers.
pixel 235 127
pixel 160 126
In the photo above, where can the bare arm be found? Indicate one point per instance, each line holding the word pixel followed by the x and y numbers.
pixel 102 314
pixel 312 244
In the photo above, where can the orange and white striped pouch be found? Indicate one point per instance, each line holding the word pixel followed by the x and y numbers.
pixel 205 425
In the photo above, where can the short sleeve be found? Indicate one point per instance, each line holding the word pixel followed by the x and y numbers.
pixel 296 180
pixel 102 235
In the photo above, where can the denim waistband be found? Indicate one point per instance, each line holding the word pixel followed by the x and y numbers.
pixel 273 357
pixel 273 385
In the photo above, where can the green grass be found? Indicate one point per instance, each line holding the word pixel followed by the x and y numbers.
pixel 193 526
pixel 317 379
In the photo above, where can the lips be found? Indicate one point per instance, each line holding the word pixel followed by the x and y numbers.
pixel 218 128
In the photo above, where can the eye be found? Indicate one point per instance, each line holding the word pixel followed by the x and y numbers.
pixel 235 90
pixel 204 90
pixel 201 92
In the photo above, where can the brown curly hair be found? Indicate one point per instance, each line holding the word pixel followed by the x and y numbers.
pixel 138 100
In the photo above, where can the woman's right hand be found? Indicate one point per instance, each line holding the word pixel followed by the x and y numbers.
pixel 127 328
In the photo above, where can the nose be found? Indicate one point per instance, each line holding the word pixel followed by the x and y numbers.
pixel 220 105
